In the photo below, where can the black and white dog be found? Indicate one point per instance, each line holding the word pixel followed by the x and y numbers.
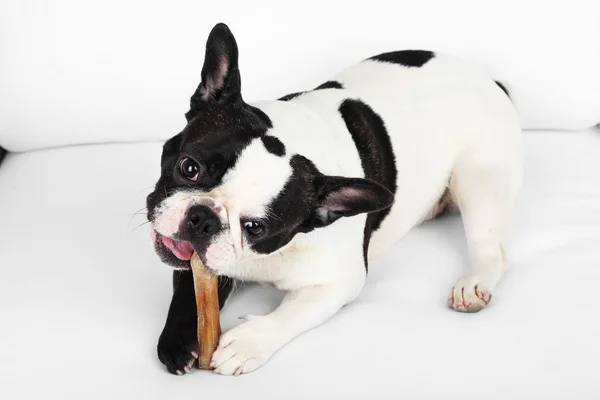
pixel 302 192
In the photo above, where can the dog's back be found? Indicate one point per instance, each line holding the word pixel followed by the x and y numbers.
pixel 411 114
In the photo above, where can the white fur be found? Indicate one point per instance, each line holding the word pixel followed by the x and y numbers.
pixel 450 125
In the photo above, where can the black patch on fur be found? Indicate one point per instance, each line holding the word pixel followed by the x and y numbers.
pixel 305 203
pixel 291 209
pixel 407 58
pixel 273 145
pixel 296 208
pixel 376 155
pixel 330 85
pixel 326 85
pixel 504 89
pixel 290 96
pixel 179 336
pixel 2 154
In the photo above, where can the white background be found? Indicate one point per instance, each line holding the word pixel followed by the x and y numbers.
pixel 119 70
pixel 83 298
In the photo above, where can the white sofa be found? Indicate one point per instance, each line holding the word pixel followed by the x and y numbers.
pixel 89 91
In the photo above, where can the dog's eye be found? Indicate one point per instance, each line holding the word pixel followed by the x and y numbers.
pixel 189 169
pixel 253 227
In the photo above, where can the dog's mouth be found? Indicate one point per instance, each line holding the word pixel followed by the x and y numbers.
pixel 181 249
pixel 173 252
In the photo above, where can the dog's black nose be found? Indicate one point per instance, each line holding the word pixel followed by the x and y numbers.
pixel 202 221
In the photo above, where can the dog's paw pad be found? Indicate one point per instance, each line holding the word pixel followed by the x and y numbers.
pixel 469 294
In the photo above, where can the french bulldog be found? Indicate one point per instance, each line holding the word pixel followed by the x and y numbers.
pixel 305 191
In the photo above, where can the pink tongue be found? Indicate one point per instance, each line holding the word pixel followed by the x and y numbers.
pixel 182 249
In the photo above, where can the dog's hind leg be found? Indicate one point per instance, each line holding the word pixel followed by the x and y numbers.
pixel 484 188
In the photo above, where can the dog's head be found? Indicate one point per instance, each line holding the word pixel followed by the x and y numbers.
pixel 231 191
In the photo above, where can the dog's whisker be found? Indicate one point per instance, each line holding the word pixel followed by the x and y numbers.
pixel 138 212
pixel 139 226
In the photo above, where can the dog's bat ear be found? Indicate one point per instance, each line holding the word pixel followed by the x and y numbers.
pixel 344 197
pixel 220 74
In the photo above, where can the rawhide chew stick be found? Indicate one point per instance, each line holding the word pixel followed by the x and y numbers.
pixel 206 285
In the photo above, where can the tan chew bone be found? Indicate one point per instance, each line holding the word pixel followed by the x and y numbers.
pixel 206 286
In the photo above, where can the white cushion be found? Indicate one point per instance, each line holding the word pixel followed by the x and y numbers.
pixel 80 72
pixel 83 298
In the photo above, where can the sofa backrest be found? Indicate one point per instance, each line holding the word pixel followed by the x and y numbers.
pixel 76 72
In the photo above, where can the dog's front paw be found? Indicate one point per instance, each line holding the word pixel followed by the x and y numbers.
pixel 246 347
pixel 178 349
pixel 470 294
